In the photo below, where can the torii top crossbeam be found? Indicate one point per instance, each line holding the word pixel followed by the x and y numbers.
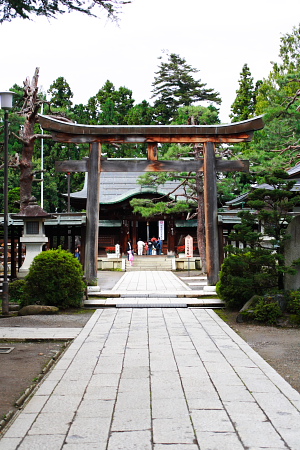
pixel 63 131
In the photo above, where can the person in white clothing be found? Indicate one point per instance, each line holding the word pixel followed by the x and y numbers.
pixel 140 247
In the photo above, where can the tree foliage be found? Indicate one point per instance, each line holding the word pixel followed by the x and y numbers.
pixel 110 106
pixel 243 106
pixel 174 86
pixel 278 97
pixel 244 274
pixel 260 266
pixel 60 93
pixel 25 9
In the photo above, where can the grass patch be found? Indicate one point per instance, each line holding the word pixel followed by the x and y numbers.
pixel 77 311
pixel 222 314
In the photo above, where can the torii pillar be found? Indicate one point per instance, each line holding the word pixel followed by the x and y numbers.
pixel 92 214
pixel 211 214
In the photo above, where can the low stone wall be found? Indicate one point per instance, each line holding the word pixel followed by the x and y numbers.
pixel 105 263
pixel 182 263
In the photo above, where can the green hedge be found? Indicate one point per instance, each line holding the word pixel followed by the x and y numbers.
pixel 55 278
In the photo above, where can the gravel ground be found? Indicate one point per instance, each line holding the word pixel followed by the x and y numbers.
pixel 280 347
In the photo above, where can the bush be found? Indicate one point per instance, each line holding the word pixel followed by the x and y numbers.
pixel 294 302
pixel 244 275
pixel 16 291
pixel 267 311
pixel 55 278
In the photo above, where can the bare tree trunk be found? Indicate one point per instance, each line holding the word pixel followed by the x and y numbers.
pixel 26 172
pixel 30 111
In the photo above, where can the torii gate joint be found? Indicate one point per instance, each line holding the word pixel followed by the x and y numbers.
pixel 95 135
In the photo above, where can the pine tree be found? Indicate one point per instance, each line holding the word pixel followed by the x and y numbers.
pixel 174 86
pixel 243 106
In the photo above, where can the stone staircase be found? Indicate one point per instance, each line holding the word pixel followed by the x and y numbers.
pixel 151 262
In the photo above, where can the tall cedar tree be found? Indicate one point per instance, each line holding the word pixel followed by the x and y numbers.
pixel 61 94
pixel 243 106
pixel 175 86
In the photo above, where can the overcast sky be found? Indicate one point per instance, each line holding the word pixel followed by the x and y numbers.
pixel 217 37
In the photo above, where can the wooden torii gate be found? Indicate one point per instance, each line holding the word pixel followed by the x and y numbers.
pixel 96 135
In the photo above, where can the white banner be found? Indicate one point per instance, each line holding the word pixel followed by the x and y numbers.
pixel 161 229
pixel 188 241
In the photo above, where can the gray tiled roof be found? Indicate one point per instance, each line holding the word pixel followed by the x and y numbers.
pixel 117 186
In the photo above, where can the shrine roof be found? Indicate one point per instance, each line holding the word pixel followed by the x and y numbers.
pixel 116 187
pixel 294 172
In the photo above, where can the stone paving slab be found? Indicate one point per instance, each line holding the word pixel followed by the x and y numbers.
pixel 159 379
pixel 161 302
pixel 199 277
pixel 38 333
pixel 146 281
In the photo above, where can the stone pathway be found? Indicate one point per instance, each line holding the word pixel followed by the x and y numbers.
pixel 148 281
pixel 149 289
pixel 158 379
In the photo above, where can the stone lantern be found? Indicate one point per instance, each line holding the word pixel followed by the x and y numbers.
pixel 34 236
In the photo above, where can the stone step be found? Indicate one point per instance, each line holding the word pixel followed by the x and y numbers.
pixel 136 301
pixel 104 294
pixel 151 305
pixel 151 265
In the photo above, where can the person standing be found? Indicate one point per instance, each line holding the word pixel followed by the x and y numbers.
pixel 150 247
pixel 154 247
pixel 77 253
pixel 131 257
pixel 140 247
pixel 129 248
pixel 159 246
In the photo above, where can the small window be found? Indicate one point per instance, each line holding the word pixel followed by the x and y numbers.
pixel 32 227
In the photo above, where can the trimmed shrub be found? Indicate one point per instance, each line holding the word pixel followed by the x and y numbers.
pixel 244 275
pixel 55 278
pixel 294 302
pixel 16 291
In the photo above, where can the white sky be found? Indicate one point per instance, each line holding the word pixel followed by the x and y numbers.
pixel 217 37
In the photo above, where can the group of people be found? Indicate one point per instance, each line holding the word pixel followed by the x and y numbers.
pixel 153 247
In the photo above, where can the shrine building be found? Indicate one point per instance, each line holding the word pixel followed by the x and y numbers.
pixel 118 223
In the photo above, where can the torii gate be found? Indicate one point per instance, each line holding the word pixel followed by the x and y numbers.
pixel 95 135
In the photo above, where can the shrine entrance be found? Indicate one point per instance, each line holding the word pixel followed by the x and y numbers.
pixel 208 135
pixel 150 228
